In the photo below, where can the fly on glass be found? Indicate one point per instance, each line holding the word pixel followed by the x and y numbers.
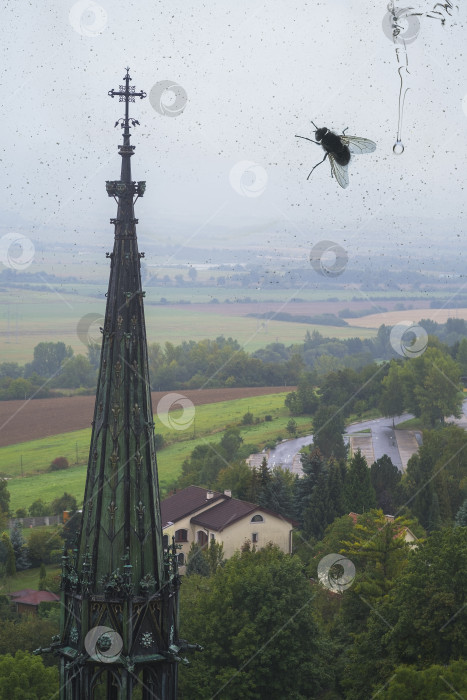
pixel 339 148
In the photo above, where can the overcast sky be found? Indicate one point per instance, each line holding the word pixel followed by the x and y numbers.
pixel 254 73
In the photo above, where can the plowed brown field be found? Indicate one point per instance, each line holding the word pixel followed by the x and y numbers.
pixel 21 421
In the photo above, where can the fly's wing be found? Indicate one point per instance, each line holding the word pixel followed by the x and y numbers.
pixel 340 172
pixel 358 145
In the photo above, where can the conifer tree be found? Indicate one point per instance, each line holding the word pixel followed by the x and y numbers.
pixel 278 493
pixel 10 563
pixel 20 549
pixel 328 426
pixel 441 486
pixel 264 473
pixel 313 465
pixel 385 478
pixel 434 518
pixel 4 496
pixel 196 562
pixel 254 485
pixel 461 517
pixel 418 475
pixel 359 492
pixel 335 488
pixel 317 514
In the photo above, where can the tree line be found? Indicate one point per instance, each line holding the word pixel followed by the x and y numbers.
pixel 429 386
pixel 218 363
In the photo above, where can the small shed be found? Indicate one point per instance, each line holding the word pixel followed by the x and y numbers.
pixel 27 600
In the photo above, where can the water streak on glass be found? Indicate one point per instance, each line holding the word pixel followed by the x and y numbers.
pixel 401 53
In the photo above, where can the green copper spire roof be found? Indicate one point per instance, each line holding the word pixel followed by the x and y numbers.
pixel 122 511
pixel 119 622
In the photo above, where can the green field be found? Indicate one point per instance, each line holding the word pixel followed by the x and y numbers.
pixel 26 579
pixel 210 420
pixel 28 458
pixel 28 318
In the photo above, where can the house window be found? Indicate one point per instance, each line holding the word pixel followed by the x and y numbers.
pixel 181 536
pixel 181 559
pixel 165 541
pixel 202 538
pixel 257 519
pixel 254 537
pixel 213 537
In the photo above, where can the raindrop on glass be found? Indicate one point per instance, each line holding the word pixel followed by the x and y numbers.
pixel 398 148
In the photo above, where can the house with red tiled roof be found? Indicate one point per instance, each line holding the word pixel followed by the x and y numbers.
pixel 196 514
pixel 27 600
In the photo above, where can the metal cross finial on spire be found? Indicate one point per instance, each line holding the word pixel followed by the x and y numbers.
pixel 126 94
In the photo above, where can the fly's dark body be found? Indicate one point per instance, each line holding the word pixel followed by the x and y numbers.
pixel 339 149
pixel 332 143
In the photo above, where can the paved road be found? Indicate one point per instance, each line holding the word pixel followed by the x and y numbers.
pixel 284 453
pixel 384 441
pixel 383 438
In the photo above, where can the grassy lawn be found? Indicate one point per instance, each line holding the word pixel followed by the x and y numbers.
pixel 169 460
pixel 210 421
pixel 366 415
pixel 48 486
pixel 28 458
pixel 25 579
pixel 412 424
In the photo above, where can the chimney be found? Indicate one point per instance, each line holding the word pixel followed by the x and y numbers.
pixel 228 493
pixel 209 495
